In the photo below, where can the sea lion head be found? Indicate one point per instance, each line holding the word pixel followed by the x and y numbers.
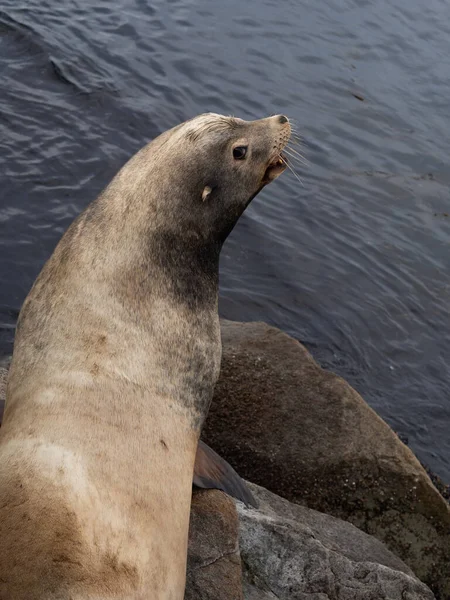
pixel 204 172
pixel 249 150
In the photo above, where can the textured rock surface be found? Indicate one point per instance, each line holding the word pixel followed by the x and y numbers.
pixel 288 552
pixel 304 433
pixel 293 553
pixel 214 566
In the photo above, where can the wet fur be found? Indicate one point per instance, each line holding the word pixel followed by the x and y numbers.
pixel 116 355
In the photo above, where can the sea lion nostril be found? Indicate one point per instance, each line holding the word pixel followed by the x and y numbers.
pixel 282 119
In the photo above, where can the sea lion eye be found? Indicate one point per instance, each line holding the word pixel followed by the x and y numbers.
pixel 239 152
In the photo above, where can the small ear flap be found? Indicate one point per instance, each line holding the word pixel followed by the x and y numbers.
pixel 212 471
pixel 206 192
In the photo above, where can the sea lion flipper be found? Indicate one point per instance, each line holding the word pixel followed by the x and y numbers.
pixel 212 471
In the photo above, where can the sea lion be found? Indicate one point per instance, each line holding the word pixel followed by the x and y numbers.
pixel 116 354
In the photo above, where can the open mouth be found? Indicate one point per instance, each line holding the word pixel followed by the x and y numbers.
pixel 276 166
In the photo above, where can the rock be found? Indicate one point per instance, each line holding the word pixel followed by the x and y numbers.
pixel 288 552
pixel 214 565
pixel 293 553
pixel 305 434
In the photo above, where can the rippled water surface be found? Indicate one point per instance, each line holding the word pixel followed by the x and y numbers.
pixel 354 262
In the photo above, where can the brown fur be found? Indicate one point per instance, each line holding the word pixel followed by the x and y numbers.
pixel 116 355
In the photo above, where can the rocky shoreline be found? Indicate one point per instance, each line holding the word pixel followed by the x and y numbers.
pixel 346 510
pixel 304 434
pixel 284 551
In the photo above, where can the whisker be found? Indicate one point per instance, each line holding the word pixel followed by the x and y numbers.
pixel 293 157
pixel 297 140
pixel 296 150
pixel 292 171
pixel 296 134
pixel 297 155
pixel 294 127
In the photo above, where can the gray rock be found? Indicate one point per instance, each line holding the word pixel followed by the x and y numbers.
pixel 287 552
pixel 291 552
pixel 214 565
pixel 305 434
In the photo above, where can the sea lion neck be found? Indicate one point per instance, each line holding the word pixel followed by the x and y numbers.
pixel 161 260
pixel 186 267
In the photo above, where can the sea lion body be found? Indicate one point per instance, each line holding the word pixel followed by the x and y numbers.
pixel 116 355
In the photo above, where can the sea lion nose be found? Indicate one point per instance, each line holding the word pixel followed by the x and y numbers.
pixel 282 119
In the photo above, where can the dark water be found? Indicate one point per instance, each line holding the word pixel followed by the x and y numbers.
pixel 355 262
